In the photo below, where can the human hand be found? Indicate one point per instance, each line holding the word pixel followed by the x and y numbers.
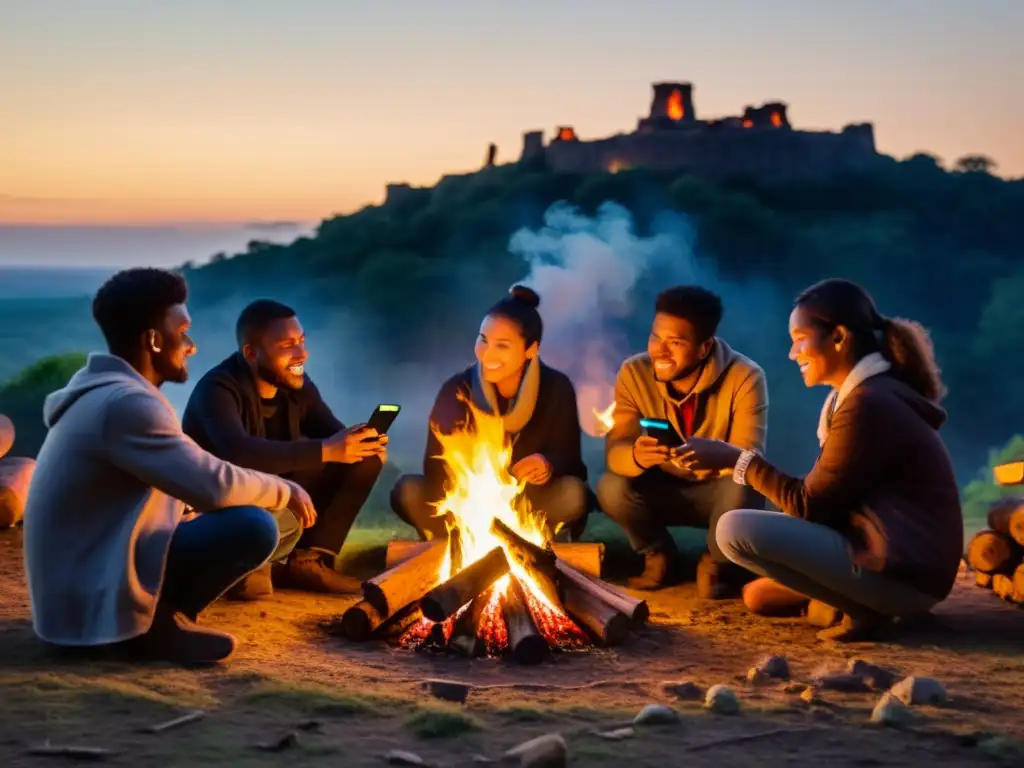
pixel 352 445
pixel 699 453
pixel 533 469
pixel 301 505
pixel 648 452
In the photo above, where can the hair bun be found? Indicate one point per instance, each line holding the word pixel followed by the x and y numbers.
pixel 526 295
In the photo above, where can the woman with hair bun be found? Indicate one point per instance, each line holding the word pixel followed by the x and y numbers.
pixel 538 407
pixel 874 531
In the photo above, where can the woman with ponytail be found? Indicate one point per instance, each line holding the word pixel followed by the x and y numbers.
pixel 537 405
pixel 874 531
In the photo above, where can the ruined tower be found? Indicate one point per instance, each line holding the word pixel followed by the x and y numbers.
pixel 671 105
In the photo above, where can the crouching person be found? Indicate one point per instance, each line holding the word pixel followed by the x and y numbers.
pixel 875 530
pixel 108 558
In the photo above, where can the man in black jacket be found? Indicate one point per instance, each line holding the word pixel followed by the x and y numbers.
pixel 259 410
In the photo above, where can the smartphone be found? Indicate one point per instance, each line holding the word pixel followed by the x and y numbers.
pixel 662 430
pixel 383 417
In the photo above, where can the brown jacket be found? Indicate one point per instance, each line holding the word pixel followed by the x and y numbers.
pixel 732 405
pixel 885 479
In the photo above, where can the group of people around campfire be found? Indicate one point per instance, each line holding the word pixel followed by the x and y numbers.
pixel 135 522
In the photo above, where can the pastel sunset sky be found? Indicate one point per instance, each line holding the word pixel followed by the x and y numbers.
pixel 142 111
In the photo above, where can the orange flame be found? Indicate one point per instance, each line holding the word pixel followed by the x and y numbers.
pixel 566 134
pixel 674 108
pixel 776 119
pixel 748 123
pixel 604 419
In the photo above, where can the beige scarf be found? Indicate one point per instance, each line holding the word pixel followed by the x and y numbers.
pixel 868 366
pixel 485 397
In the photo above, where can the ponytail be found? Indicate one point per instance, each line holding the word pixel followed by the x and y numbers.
pixel 908 347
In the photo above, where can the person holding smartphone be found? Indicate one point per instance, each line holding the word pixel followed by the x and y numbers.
pixel 538 407
pixel 259 409
pixel 688 383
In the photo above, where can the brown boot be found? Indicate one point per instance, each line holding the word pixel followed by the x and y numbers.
pixel 661 569
pixel 173 637
pixel 822 615
pixel 255 586
pixel 719 581
pixel 307 570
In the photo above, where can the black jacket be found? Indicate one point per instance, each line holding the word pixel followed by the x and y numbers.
pixel 553 431
pixel 223 416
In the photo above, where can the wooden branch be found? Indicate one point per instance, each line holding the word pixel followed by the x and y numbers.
pixel 635 610
pixel 536 561
pixel 1006 516
pixel 585 604
pixel 466 637
pixel 81 753
pixel 991 552
pixel 407 582
pixel 445 599
pixel 400 550
pixel 525 642
pixel 584 556
pixel 191 717
pixel 360 621
pixel 401 622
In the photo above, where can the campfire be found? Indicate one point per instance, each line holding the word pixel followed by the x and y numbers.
pixel 498 584
pixel 674 107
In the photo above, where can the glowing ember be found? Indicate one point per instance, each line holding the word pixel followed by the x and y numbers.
pixel 748 123
pixel 776 119
pixel 566 134
pixel 604 419
pixel 674 107
pixel 477 458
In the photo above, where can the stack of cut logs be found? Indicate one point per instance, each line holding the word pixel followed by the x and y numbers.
pixel 458 613
pixel 997 553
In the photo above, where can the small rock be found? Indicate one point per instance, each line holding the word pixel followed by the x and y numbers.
pixel 617 735
pixel 547 751
pixel 845 683
pixel 449 690
pixel 263 614
pixel 722 699
pixel 775 666
pixel 656 714
pixel 810 696
pixel 757 676
pixel 879 678
pixel 890 711
pixel 919 690
pixel 792 688
pixel 289 740
pixel 684 690
pixel 399 757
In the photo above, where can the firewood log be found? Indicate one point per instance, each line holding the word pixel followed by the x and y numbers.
pixel 400 623
pixel 400 550
pixel 991 552
pixel 1002 585
pixel 466 637
pixel 1006 516
pixel 407 582
pixel 445 599
pixel 1009 474
pixel 983 580
pixel 359 621
pixel 525 642
pixel 527 554
pixel 584 556
pixel 635 610
pixel 1018 584
pixel 607 624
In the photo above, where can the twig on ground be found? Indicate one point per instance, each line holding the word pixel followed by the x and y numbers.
pixel 80 753
pixel 191 717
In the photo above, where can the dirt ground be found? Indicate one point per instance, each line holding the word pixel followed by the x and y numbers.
pixel 349 704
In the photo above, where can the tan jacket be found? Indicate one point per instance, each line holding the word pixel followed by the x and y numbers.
pixel 732 405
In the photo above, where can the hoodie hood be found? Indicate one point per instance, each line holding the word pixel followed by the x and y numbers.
pixel 101 370
pixel 933 414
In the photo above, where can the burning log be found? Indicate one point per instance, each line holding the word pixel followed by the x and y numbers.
pixel 466 638
pixel 401 622
pixel 983 580
pixel 538 562
pixel 360 621
pixel 585 556
pixel 635 610
pixel 407 582
pixel 991 552
pixel 1002 585
pixel 400 550
pixel 1006 516
pixel 524 640
pixel 444 600
pixel 586 605
pixel 1018 584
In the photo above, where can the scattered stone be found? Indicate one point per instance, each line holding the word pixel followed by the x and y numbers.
pixel 449 690
pixel 263 614
pixel 400 757
pixel 891 712
pixel 775 666
pixel 757 676
pixel 617 735
pixel 722 699
pixel 684 690
pixel 547 751
pixel 844 683
pixel 920 690
pixel 879 678
pixel 656 714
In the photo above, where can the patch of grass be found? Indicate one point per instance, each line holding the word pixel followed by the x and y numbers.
pixel 523 714
pixel 62 692
pixel 315 700
pixel 441 723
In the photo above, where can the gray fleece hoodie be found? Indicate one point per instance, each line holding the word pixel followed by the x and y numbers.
pixel 110 486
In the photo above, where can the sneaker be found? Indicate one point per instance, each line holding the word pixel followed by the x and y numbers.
pixel 173 637
pixel 307 570
pixel 254 586
pixel 661 569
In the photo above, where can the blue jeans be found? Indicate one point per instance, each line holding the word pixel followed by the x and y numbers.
pixel 214 551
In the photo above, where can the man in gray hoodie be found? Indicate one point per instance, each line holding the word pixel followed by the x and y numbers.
pixel 109 559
